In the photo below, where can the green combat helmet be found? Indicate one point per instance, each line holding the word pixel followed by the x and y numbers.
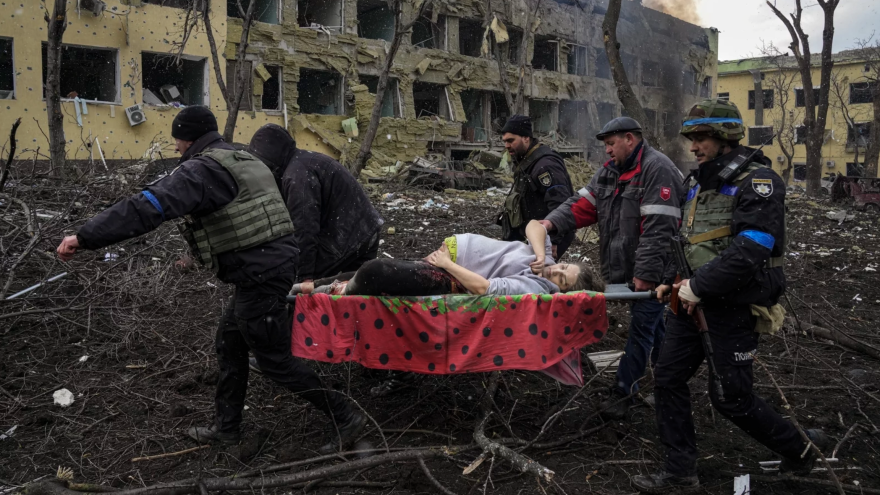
pixel 720 118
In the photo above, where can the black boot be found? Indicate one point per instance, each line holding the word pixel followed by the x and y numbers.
pixel 211 434
pixel 254 365
pixel 615 407
pixel 345 435
pixel 803 466
pixel 664 482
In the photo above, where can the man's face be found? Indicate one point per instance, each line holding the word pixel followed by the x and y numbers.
pixel 181 146
pixel 515 144
pixel 620 146
pixel 704 147
pixel 562 274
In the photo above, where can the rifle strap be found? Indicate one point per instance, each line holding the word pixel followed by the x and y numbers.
pixel 708 236
pixel 693 211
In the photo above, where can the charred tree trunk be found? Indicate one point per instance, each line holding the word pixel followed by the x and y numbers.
pixel 400 30
pixel 624 90
pixel 215 57
pixel 233 100
pixel 872 154
pixel 57 24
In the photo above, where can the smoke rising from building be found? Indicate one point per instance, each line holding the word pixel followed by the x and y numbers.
pixel 685 10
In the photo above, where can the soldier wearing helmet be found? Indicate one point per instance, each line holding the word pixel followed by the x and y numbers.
pixel 635 200
pixel 733 218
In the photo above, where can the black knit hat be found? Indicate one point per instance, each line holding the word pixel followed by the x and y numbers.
pixel 192 123
pixel 519 125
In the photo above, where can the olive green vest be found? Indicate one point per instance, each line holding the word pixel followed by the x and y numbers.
pixel 257 214
pixel 707 216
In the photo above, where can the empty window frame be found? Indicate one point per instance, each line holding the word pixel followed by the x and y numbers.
pixel 858 134
pixel 177 4
pixel 375 20
pixel 543 114
pixel 862 92
pixel 514 46
pixel 603 66
pixel 800 134
pixel 320 92
pixel 499 111
pixel 272 99
pixel 855 169
pixel 474 104
pixel 631 66
pixel 651 115
pixel 724 96
pixel 7 70
pixel 430 100
pixel 689 81
pixel 572 116
pixel 768 99
pixel 761 135
pixel 429 32
pixel 800 100
pixel 470 37
pixel 577 60
pixel 706 87
pixel 650 73
pixel 800 172
pixel 88 72
pixel 247 102
pixel 391 99
pixel 606 113
pixel 167 81
pixel 317 14
pixel 268 11
pixel 546 55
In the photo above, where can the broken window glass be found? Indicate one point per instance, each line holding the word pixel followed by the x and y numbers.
pixel 651 115
pixel 573 115
pixel 689 81
pixel 318 14
pixel 391 99
pixel 706 87
pixel 761 135
pixel 375 20
pixel 514 45
pixel 768 99
pixel 264 11
pixel 800 134
pixel 177 4
pixel 858 134
pixel 165 81
pixel 474 130
pixel 246 100
pixel 800 100
pixel 800 172
pixel 723 96
pixel 7 70
pixel 630 65
pixel 546 53
pixel 430 100
pixel 90 73
pixel 543 116
pixel 499 111
pixel 272 89
pixel 650 73
pixel 855 170
pixel 577 60
pixel 607 112
pixel 320 92
pixel 603 66
pixel 428 32
pixel 862 92
pixel 470 37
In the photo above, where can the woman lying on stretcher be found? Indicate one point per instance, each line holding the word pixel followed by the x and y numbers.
pixel 468 263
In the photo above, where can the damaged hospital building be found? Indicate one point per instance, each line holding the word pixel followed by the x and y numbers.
pixel 315 64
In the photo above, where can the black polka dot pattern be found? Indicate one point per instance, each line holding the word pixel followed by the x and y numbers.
pixel 325 320
pixel 379 324
pixel 473 320
pixel 569 303
pixel 363 306
pixel 346 315
pixel 309 341
pixel 508 332
pixel 383 359
pixel 456 331
pixel 464 349
pixel 348 352
pixel 588 311
pixel 598 334
pixel 438 347
pixel 329 353
pixel 521 353
pixel 486 331
pixel 556 314
pixel 498 360
pixel 544 359
pixel 544 334
pixel 367 346
pixel 407 355
pixel 567 330
pixel 431 367
pixel 423 336
pixel 533 329
pixel 451 367
pixel 301 317
pixel 559 350
pixel 399 332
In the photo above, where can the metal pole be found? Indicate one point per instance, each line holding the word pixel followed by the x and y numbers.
pixel 34 287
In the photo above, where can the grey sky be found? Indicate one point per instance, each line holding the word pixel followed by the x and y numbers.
pixel 745 23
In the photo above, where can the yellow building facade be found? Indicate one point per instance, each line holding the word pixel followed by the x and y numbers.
pixel 784 111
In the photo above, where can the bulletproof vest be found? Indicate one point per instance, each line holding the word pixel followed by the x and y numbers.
pixel 707 221
pixel 256 216
pixel 513 204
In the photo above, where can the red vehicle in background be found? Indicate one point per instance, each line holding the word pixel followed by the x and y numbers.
pixel 863 191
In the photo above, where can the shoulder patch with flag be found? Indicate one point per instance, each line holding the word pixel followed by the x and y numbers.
pixel 764 187
pixel 545 179
pixel 665 193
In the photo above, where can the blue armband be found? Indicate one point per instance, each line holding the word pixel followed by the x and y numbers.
pixel 759 237
pixel 152 199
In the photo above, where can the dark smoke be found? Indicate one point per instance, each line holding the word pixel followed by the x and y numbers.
pixel 685 10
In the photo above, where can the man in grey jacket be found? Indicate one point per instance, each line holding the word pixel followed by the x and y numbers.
pixel 635 200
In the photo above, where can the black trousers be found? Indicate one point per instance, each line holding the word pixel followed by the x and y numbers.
pixel 393 277
pixel 257 320
pixel 364 253
pixel 681 355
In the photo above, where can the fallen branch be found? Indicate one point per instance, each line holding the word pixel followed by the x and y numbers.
pixel 839 338
pixel 170 454
pixel 432 479
pixel 845 438
pixel 5 174
pixel 814 482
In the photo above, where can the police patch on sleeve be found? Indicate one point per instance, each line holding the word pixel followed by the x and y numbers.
pixel 764 187
pixel 545 179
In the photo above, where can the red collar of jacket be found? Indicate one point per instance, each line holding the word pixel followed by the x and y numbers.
pixel 629 174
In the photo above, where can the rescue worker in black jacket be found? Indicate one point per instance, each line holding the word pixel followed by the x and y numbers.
pixel 634 201
pixel 337 228
pixel 540 184
pixel 237 225
pixel 735 231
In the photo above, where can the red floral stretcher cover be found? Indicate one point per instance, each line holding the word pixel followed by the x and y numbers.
pixel 452 333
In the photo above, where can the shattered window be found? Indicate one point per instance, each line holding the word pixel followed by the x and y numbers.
pixel 430 100
pixel 800 100
pixel 723 96
pixel 800 172
pixel 474 130
pixel 543 115
pixel 862 92
pixel 630 65
pixel 855 169
pixel 320 14
pixel 428 32
pixel 264 11
pixel 90 73
pixel 7 70
pixel 651 115
pixel 168 82
pixel 514 45
pixel 272 90
pixel 577 60
pixel 246 100
pixel 761 135
pixel 768 99
pixel 607 112
pixel 858 134
pixel 375 20
pixel 800 134
pixel 650 73
pixel 470 37
pixel 177 4
pixel 391 99
pixel 499 111
pixel 706 87
pixel 320 92
pixel 546 53
pixel 572 116
pixel 689 81
pixel 603 66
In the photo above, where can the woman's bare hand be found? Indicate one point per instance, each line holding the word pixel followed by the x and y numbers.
pixel 537 266
pixel 440 258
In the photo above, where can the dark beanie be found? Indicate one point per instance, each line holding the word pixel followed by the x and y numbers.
pixel 273 145
pixel 519 125
pixel 192 123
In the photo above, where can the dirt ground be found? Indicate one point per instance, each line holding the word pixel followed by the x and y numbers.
pixel 132 338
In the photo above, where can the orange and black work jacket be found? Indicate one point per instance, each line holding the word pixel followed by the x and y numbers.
pixel 637 207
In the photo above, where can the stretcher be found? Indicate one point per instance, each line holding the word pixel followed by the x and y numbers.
pixel 451 334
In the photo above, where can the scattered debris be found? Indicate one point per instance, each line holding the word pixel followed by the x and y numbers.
pixel 63 397
pixel 9 433
pixel 841 216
